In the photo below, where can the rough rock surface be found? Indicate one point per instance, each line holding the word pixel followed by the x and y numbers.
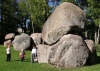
pixel 71 51
pixel 66 17
pixel 92 53
pixel 10 35
pixel 21 42
pixel 43 53
pixel 37 38
pixel 8 42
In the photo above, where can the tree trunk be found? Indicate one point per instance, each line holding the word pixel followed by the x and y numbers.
pixel 31 17
pixel 97 36
pixel 32 27
pixel 86 34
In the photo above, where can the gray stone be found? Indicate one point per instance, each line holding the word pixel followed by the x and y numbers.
pixel 43 53
pixel 66 17
pixel 71 51
pixel 8 42
pixel 21 42
pixel 92 54
pixel 37 38
pixel 10 35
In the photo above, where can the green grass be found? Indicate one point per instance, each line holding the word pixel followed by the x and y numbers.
pixel 16 65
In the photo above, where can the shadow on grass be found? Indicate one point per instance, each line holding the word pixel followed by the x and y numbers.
pixel 25 60
pixel 15 60
pixel 93 60
pixel 98 60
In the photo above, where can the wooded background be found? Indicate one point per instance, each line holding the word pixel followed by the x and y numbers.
pixel 30 15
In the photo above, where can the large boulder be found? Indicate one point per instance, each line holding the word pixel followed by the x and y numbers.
pixel 92 53
pixel 21 42
pixel 10 36
pixel 43 53
pixel 71 51
pixel 37 38
pixel 8 42
pixel 66 17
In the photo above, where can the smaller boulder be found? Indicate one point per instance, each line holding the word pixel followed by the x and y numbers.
pixel 21 42
pixel 37 38
pixel 92 53
pixel 8 42
pixel 10 36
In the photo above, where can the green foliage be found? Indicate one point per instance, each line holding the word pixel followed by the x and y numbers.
pixel 97 47
pixel 93 8
pixel 8 13
pixel 8 24
pixel 16 65
pixel 93 16
pixel 38 11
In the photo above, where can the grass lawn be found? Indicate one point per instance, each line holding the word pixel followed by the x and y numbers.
pixel 16 65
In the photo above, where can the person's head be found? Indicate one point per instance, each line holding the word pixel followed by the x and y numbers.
pixel 34 46
pixel 8 45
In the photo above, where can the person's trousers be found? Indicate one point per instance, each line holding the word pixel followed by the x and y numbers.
pixel 8 57
pixel 32 58
pixel 22 59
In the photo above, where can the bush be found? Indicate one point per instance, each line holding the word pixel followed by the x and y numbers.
pixel 97 47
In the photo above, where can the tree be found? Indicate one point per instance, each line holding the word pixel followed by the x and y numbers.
pixel 22 16
pixel 93 8
pixel 38 11
pixel 7 22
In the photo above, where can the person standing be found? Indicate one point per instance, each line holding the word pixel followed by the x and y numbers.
pixel 33 54
pixel 22 55
pixel 8 51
